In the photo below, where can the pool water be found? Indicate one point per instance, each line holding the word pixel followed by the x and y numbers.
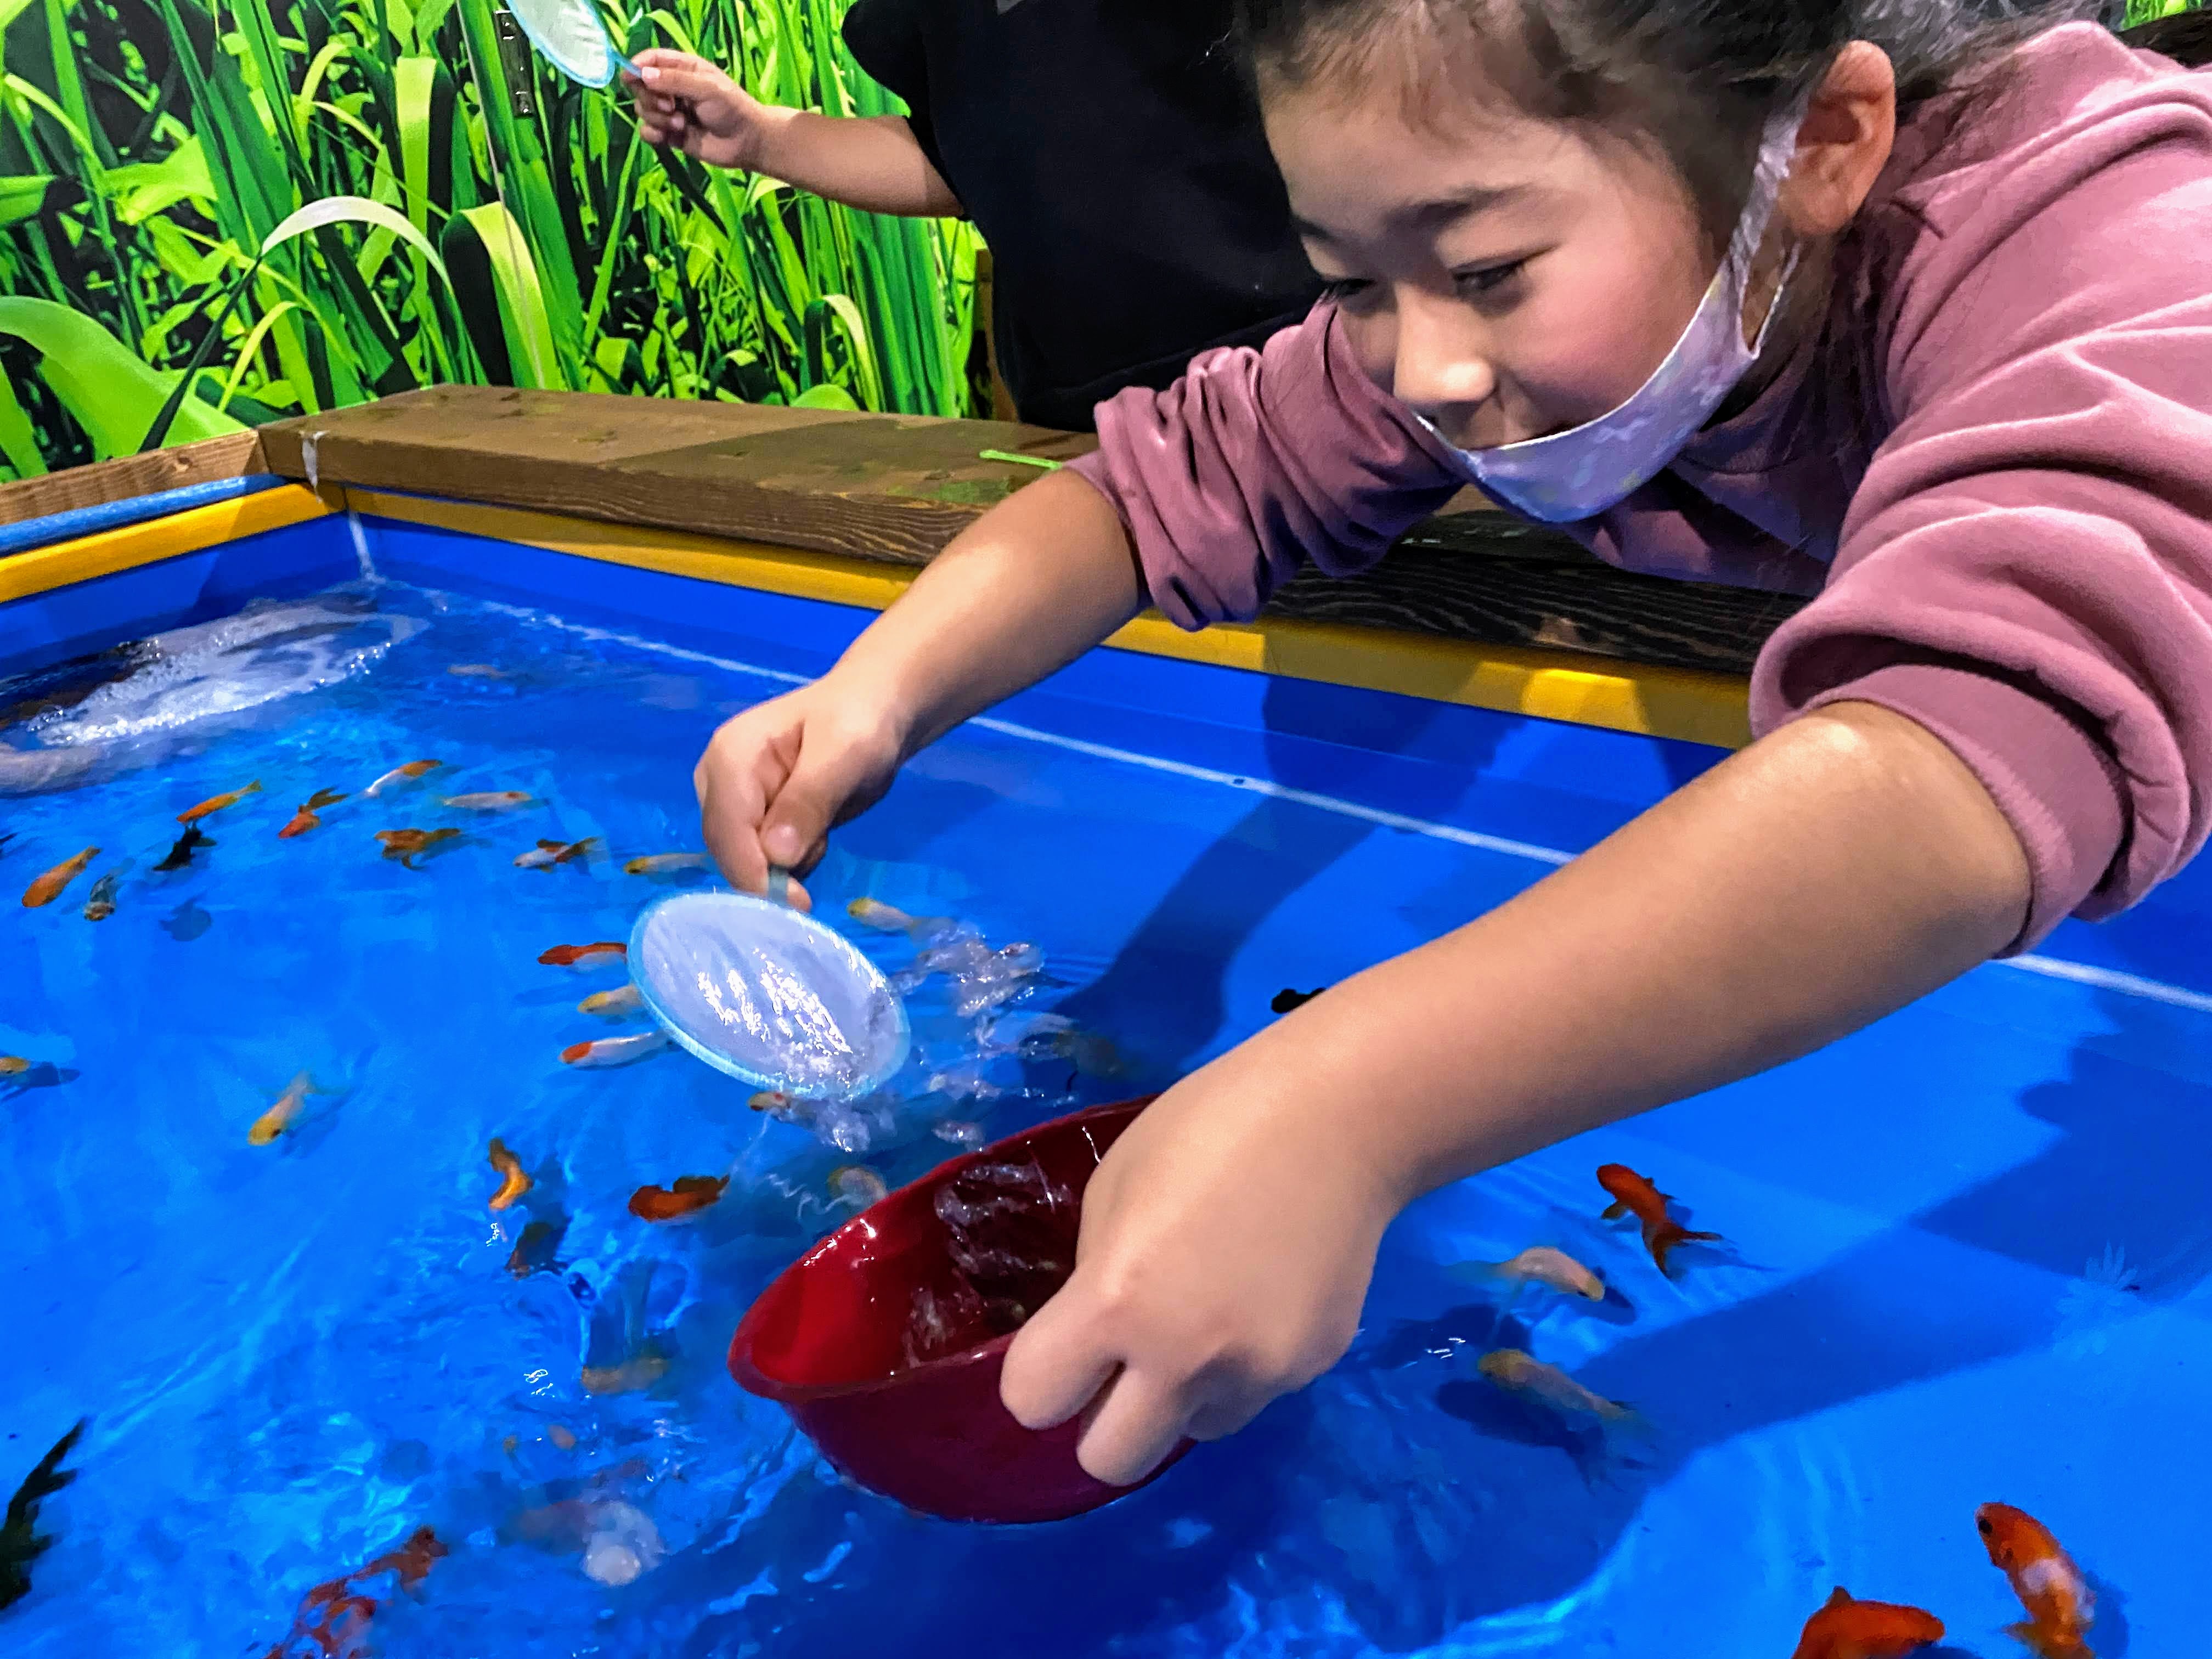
pixel 1969 1252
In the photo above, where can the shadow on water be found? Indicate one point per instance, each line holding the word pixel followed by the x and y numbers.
pixel 1166 981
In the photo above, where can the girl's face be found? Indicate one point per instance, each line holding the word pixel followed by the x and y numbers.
pixel 1505 276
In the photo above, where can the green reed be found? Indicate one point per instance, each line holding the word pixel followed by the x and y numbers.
pixel 164 273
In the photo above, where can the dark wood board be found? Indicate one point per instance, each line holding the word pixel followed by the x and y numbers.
pixel 129 476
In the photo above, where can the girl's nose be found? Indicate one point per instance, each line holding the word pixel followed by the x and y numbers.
pixel 1439 368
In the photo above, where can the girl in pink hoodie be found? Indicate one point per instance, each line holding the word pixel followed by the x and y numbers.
pixel 1889 304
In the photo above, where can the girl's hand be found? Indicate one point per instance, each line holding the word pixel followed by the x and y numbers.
pixel 686 101
pixel 777 778
pixel 1227 1241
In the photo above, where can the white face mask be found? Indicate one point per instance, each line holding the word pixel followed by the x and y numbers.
pixel 1580 472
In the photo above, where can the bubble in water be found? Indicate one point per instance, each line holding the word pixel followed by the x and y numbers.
pixel 960 1132
pixel 1010 1230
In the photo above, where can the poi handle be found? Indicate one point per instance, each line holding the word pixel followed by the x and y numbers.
pixel 778 885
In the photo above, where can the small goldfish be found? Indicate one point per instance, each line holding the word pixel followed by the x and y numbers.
pixel 1540 1264
pixel 48 888
pixel 476 671
pixel 770 1100
pixel 584 956
pixel 642 1372
pixel 889 919
pixel 1523 1374
pixel 2060 1607
pixel 513 1180
pixel 1846 1629
pixel 399 775
pixel 100 903
pixel 13 1066
pixel 334 1618
pixel 305 818
pixel 665 863
pixel 406 845
pixel 614 1051
pixel 625 999
pixel 690 1195
pixel 549 853
pixel 188 843
pixel 1633 1194
pixel 857 1185
pixel 488 800
pixel 216 803
pixel 278 1118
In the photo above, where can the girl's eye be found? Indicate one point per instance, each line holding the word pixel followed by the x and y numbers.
pixel 1340 289
pixel 1484 281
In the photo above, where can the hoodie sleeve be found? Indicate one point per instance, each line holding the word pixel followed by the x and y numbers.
pixel 1257 460
pixel 2026 568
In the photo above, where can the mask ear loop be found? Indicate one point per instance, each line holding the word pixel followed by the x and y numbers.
pixel 1778 152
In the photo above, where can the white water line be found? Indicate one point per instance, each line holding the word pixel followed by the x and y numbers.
pixel 2077 973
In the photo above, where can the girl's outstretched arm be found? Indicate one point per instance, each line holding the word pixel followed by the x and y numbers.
pixel 1834 870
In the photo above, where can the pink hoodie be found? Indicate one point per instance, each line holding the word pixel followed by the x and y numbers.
pixel 2010 533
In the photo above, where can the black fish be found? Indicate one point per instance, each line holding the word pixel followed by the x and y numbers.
pixel 20 1543
pixel 1287 1000
pixel 534 1251
pixel 188 843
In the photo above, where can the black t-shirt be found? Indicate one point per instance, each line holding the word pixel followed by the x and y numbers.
pixel 1112 157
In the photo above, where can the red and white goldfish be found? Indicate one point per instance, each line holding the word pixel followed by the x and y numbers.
pixel 665 863
pixel 585 956
pixel 100 904
pixel 399 775
pixel 489 801
pixel 48 887
pixel 1632 1194
pixel 334 1617
pixel 306 819
pixel 609 1005
pixel 1846 1629
pixel 690 1195
pixel 407 845
pixel 216 803
pixel 1540 1264
pixel 278 1118
pixel 614 1051
pixel 2061 1605
pixel 513 1179
pixel 1523 1374
pixel 547 854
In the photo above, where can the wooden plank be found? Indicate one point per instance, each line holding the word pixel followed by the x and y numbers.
pixel 233 455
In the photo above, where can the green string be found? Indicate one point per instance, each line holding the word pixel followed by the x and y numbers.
pixel 1019 461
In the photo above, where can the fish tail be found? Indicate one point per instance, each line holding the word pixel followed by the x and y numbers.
pixel 1662 1237
pixel 2048 1644
pixel 253 788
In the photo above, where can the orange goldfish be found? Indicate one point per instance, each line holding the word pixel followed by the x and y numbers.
pixel 333 1620
pixel 642 1370
pixel 690 1195
pixel 1521 1373
pixel 216 803
pixel 889 919
pixel 584 956
pixel 399 775
pixel 549 853
pixel 278 1118
pixel 1633 1194
pixel 406 845
pixel 662 863
pixel 13 1066
pixel 2060 1607
pixel 48 888
pixel 305 818
pixel 488 800
pixel 614 1051
pixel 514 1181
pixel 611 1005
pixel 1540 1264
pixel 1844 1629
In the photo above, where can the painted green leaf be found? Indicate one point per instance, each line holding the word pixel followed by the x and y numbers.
pixel 113 394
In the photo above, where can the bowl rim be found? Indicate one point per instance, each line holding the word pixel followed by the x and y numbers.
pixel 748 1374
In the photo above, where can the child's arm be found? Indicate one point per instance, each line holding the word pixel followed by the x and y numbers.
pixel 1834 870
pixel 871 163
pixel 1037 582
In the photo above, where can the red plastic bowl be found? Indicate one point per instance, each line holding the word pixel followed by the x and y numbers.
pixel 824 1340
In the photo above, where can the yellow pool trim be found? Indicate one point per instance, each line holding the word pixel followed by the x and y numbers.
pixel 128 546
pixel 1672 703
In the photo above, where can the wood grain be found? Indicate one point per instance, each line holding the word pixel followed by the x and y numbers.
pixel 231 456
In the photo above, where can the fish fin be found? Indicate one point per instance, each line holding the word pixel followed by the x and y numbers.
pixel 253 788
pixel 1664 1237
pixel 1842 1598
pixel 1615 1210
pixel 322 798
pixel 546 846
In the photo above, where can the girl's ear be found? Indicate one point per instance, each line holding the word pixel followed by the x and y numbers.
pixel 1843 143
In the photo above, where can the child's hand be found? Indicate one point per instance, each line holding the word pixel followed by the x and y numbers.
pixel 777 778
pixel 1226 1245
pixel 686 101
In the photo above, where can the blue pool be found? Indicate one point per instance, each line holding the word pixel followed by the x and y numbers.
pixel 1970 1250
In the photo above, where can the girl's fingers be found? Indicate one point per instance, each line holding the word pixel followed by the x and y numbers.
pixel 1056 1366
pixel 1135 1427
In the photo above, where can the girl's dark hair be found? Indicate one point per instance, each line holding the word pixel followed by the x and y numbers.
pixel 1695 79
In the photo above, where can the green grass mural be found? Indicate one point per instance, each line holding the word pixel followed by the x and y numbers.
pixel 215 213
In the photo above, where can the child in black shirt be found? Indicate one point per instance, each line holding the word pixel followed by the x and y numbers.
pixel 1107 150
